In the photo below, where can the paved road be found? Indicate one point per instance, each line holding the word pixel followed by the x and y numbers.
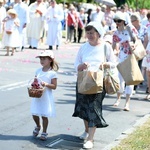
pixel 16 123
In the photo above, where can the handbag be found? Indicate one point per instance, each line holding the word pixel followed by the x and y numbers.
pixel 139 50
pixel 130 71
pixel 111 82
pixel 89 82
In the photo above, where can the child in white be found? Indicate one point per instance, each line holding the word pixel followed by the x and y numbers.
pixel 44 106
pixel 11 33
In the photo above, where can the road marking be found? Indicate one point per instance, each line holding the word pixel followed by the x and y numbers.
pixel 13 86
pixel 54 142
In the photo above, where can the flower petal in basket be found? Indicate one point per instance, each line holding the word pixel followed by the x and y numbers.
pixel 35 89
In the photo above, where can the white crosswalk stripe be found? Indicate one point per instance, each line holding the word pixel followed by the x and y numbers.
pixel 13 86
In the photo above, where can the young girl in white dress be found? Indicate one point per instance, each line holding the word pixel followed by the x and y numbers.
pixel 44 106
pixel 11 34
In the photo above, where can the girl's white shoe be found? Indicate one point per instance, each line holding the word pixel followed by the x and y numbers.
pixel 88 145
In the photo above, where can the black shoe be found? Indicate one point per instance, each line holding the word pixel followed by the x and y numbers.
pixel 50 48
pixel 34 47
pixel 147 90
pixel 30 47
pixel 22 48
pixel 56 47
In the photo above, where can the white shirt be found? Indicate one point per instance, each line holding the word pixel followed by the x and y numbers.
pixel 95 56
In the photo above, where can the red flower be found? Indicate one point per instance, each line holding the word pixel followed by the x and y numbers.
pixel 116 39
pixel 125 45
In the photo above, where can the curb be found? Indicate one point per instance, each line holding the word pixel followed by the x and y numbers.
pixel 125 134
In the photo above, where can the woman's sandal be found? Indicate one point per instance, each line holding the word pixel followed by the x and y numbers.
pixel 6 54
pixel 36 131
pixel 126 108
pixel 117 102
pixel 43 136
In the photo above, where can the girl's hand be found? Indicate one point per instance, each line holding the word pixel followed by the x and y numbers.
pixel 44 83
pixel 17 24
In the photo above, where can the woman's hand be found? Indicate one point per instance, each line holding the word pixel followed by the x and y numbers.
pixel 132 46
pixel 104 65
pixel 83 66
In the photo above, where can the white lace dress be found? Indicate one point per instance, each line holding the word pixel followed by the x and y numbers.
pixel 11 40
pixel 44 106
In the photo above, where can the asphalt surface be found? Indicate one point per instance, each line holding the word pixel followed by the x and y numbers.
pixel 16 123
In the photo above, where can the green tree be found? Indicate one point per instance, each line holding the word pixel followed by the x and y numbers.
pixel 138 4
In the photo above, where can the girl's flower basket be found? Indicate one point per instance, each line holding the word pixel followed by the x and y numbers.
pixel 35 89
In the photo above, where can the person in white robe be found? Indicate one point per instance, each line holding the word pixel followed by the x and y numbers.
pixel 36 25
pixel 2 15
pixel 54 16
pixel 23 15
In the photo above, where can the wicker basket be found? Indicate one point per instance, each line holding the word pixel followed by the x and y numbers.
pixel 9 32
pixel 37 93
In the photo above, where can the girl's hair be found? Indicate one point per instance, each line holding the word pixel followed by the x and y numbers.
pixel 54 65
pixel 148 15
pixel 125 23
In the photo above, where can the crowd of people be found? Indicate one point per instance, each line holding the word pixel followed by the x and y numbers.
pixel 22 21
pixel 116 32
pixel 47 19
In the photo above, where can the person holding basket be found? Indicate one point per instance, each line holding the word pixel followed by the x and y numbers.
pixel 91 56
pixel 44 106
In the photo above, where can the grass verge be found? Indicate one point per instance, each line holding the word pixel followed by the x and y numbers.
pixel 138 140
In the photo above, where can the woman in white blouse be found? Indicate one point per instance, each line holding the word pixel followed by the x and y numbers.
pixel 92 55
pixel 121 43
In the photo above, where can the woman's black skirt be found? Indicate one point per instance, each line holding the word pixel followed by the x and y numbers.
pixel 89 107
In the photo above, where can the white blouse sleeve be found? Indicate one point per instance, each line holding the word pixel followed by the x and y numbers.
pixel 110 56
pixel 78 59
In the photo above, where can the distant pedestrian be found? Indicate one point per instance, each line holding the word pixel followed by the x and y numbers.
pixel 11 34
pixel 89 12
pixel 35 27
pixel 143 35
pixel 146 60
pixel 2 15
pixel 23 15
pixel 71 23
pixel 98 16
pixel 54 16
pixel 44 106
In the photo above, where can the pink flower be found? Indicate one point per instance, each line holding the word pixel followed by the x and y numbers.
pixel 116 39
pixel 125 44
